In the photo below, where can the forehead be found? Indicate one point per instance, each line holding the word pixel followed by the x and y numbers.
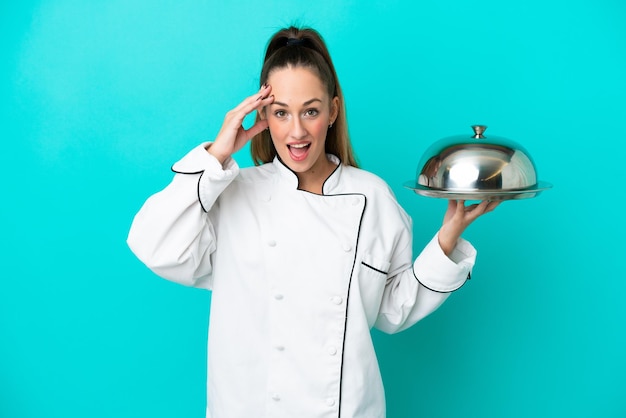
pixel 294 85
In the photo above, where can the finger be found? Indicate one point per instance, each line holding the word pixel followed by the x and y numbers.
pixel 251 102
pixel 474 208
pixel 480 209
pixel 257 105
pixel 450 211
pixel 471 207
pixel 460 206
pixel 257 128
pixel 489 205
pixel 235 117
pixel 492 205
pixel 483 204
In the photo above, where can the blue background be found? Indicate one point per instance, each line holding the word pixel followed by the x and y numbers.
pixel 99 98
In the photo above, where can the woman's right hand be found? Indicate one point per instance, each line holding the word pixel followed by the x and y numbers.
pixel 233 136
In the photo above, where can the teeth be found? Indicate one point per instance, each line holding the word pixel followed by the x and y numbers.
pixel 299 145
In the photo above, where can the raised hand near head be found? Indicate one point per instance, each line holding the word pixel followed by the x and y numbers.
pixel 233 136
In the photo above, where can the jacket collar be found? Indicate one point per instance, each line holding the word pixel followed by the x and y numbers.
pixel 290 179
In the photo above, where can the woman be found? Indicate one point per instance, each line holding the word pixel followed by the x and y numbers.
pixel 304 253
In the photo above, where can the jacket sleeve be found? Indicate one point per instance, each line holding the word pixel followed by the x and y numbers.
pixel 172 233
pixel 413 290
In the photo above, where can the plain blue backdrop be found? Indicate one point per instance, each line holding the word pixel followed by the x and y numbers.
pixel 99 98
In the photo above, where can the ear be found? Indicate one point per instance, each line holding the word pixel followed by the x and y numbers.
pixel 334 109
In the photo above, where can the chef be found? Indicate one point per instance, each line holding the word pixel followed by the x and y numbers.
pixel 304 252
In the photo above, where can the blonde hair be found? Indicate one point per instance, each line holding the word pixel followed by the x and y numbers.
pixel 304 47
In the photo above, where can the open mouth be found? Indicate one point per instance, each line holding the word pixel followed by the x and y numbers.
pixel 299 151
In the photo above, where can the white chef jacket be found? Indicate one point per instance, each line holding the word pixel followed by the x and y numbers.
pixel 298 281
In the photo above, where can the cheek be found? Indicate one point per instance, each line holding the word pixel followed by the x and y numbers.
pixel 276 129
pixel 318 128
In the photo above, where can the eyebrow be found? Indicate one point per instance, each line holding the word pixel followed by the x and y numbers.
pixel 308 102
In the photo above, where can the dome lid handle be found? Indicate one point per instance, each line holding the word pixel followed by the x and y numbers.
pixel 478 131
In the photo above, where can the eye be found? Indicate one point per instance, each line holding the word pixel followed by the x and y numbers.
pixel 280 113
pixel 311 112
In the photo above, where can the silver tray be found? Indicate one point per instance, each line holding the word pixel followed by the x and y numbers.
pixel 479 194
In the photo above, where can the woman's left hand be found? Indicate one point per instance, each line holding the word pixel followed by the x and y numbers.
pixel 457 218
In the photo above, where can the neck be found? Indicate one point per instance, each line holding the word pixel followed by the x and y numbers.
pixel 313 179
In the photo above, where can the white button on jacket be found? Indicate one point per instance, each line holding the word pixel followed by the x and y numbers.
pixel 284 265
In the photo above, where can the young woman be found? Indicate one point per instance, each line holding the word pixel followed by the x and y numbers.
pixel 304 253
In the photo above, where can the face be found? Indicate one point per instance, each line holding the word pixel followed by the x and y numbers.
pixel 298 120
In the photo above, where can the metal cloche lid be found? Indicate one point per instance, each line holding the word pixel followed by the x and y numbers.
pixel 477 168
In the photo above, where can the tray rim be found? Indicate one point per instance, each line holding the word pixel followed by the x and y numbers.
pixel 479 194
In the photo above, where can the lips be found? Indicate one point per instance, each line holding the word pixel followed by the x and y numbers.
pixel 299 151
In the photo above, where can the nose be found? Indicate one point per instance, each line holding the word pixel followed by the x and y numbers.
pixel 298 130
